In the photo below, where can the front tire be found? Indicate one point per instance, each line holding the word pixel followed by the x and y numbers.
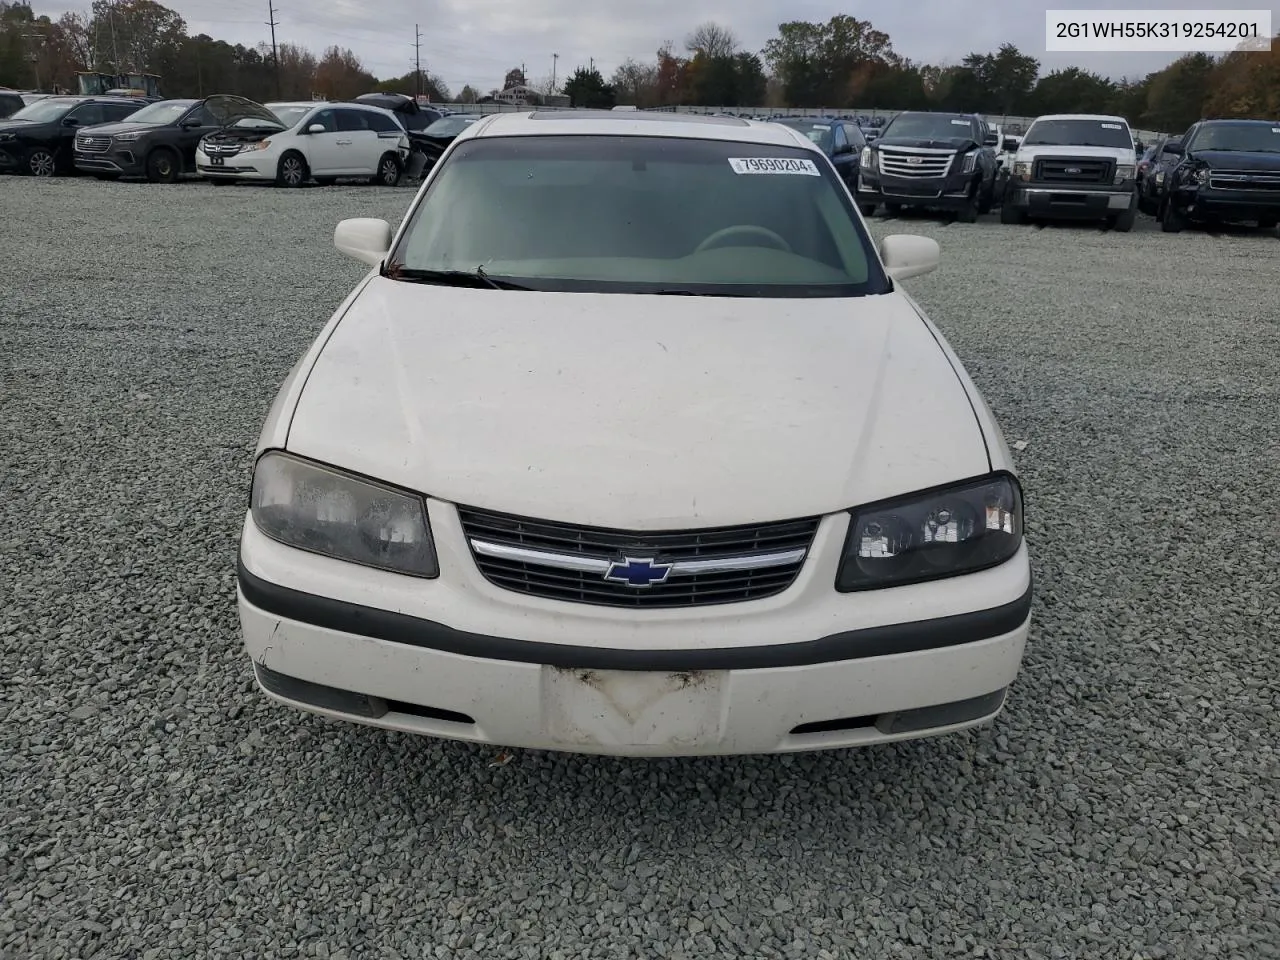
pixel 1009 214
pixel 892 209
pixel 390 169
pixel 1170 220
pixel 1125 221
pixel 292 170
pixel 162 166
pixel 969 212
pixel 40 162
pixel 867 209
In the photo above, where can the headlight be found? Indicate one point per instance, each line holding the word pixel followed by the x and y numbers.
pixel 865 158
pixel 325 511
pixel 1022 169
pixel 126 137
pixel 1160 176
pixel 259 145
pixel 1200 175
pixel 930 536
pixel 970 161
pixel 1124 171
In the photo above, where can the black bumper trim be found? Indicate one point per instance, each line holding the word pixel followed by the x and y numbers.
pixel 889 640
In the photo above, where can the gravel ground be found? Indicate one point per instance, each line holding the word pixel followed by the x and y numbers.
pixel 1126 806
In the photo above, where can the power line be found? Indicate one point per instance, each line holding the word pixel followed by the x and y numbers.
pixel 275 53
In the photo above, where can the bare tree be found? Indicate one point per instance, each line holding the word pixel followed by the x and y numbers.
pixel 546 86
pixel 634 82
pixel 712 41
pixel 468 94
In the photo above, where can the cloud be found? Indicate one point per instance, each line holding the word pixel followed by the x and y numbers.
pixel 477 41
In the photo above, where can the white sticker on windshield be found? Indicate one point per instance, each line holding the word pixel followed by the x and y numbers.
pixel 1275 129
pixel 802 168
pixel 960 123
pixel 1112 126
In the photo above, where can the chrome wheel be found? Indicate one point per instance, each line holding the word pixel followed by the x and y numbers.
pixel 389 172
pixel 292 172
pixel 41 163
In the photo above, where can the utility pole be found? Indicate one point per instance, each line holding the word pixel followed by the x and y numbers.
pixel 275 53
pixel 592 68
pixel 554 58
pixel 417 61
pixel 34 56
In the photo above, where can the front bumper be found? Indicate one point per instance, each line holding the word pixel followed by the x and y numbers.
pixel 458 657
pixel 121 161
pixel 10 158
pixel 951 192
pixel 240 166
pixel 1210 203
pixel 1065 201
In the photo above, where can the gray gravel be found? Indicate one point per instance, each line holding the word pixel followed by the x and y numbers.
pixel 153 805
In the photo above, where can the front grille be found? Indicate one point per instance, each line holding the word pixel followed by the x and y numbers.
pixel 915 161
pixel 93 144
pixel 222 149
pixel 594 547
pixel 1073 170
pixel 1244 180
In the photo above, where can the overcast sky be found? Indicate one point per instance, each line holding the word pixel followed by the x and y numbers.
pixel 477 41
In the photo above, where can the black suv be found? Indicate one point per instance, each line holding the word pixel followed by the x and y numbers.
pixel 37 139
pixel 1225 170
pixel 10 103
pixel 159 142
pixel 841 140
pixel 941 160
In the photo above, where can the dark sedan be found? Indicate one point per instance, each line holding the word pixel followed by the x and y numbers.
pixel 841 140
pixel 435 139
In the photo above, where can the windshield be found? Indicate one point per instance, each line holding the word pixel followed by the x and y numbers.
pixel 288 114
pixel 1244 137
pixel 449 126
pixel 43 110
pixel 166 111
pixel 642 215
pixel 819 133
pixel 1079 133
pixel 929 126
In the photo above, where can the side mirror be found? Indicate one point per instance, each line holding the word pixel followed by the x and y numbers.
pixel 1174 148
pixel 191 123
pixel 316 128
pixel 1010 145
pixel 70 122
pixel 907 255
pixel 364 238
pixel 842 149
pixel 991 140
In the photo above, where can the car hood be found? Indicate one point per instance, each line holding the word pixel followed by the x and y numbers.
pixel 17 126
pixel 1239 160
pixel 1036 151
pixel 637 411
pixel 948 143
pixel 124 126
pixel 227 109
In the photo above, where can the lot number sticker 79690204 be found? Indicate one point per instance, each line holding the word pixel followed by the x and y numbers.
pixel 794 166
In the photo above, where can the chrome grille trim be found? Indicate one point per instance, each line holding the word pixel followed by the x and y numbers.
pixel 93 144
pixel 901 161
pixel 681 568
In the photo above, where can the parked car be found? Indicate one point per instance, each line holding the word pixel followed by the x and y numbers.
pixel 1074 166
pixel 435 139
pixel 1226 171
pixel 942 161
pixel 37 140
pixel 1153 173
pixel 10 103
pixel 159 141
pixel 326 142
pixel 841 140
pixel 449 535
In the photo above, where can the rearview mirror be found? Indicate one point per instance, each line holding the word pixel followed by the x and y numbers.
pixel 907 255
pixel 316 128
pixel 364 238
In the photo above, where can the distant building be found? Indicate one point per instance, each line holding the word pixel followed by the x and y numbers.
pixel 522 96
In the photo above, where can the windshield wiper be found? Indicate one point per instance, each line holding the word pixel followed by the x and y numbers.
pixel 450 278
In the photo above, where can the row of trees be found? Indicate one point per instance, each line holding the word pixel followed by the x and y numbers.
pixel 844 63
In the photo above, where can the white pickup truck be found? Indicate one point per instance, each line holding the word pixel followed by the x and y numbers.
pixel 1074 166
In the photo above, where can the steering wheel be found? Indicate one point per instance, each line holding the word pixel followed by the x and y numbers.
pixel 744 230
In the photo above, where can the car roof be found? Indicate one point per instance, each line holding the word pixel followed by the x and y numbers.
pixel 1252 123
pixel 1082 116
pixel 297 103
pixel 639 123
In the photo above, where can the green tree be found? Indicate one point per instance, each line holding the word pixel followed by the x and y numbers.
pixel 1073 91
pixel 586 88
pixel 1177 94
pixel 824 64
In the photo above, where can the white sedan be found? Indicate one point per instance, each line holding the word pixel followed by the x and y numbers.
pixel 631 442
